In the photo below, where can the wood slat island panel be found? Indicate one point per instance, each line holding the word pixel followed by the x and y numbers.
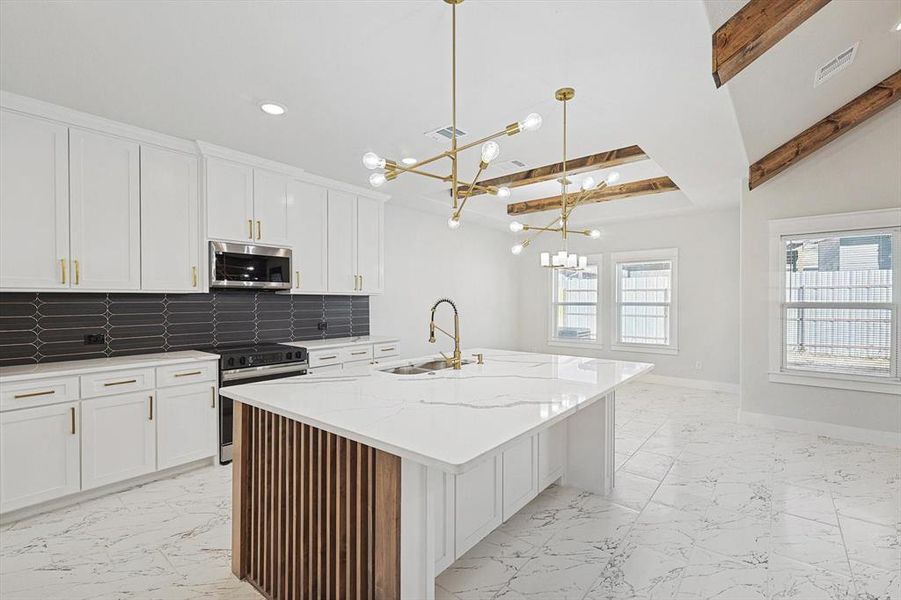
pixel 316 515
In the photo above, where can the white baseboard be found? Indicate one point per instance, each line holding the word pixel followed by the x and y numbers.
pixel 891 439
pixel 697 384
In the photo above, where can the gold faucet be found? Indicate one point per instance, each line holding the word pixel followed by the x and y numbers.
pixel 457 361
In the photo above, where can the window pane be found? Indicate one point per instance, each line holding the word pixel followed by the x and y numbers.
pixel 644 324
pixel 840 268
pixel 852 341
pixel 645 292
pixel 575 309
pixel 646 282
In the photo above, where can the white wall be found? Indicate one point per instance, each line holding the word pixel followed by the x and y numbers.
pixel 424 261
pixel 707 292
pixel 858 171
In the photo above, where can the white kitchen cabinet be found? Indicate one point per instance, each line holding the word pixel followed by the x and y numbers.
pixel 186 424
pixel 118 438
pixel 308 235
pixel 442 509
pixel 170 224
pixel 105 212
pixel 370 229
pixel 477 504
pixel 229 193
pixel 520 474
pixel 34 203
pixel 342 242
pixel 551 454
pixel 39 455
pixel 270 207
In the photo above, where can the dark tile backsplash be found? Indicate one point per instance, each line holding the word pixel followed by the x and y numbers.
pixel 44 327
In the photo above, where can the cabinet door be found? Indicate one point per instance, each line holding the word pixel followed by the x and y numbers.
pixel 551 454
pixel 39 455
pixel 370 228
pixel 342 242
pixel 169 221
pixel 118 438
pixel 270 207
pixel 520 475
pixel 308 235
pixel 186 425
pixel 229 200
pixel 34 203
pixel 477 504
pixel 105 219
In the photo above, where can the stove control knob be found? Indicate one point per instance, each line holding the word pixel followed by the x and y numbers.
pixel 298 355
pixel 288 355
pixel 231 362
pixel 242 360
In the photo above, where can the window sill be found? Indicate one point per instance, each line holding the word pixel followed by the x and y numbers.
pixel 641 349
pixel 889 386
pixel 592 344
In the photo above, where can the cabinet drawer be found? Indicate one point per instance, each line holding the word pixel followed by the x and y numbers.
pixel 380 351
pixel 109 383
pixel 37 392
pixel 187 373
pixel 356 353
pixel 324 358
pixel 326 369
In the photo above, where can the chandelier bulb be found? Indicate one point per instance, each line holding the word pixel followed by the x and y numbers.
pixel 594 233
pixel 612 177
pixel 588 183
pixel 371 160
pixel 377 179
pixel 531 123
pixel 516 226
pixel 517 249
pixel 503 192
pixel 454 222
pixel 490 151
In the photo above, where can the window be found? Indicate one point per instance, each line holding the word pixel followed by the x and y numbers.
pixel 574 304
pixel 834 323
pixel 645 301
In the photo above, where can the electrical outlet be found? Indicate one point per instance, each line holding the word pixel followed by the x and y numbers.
pixel 92 339
pixel 323 325
pixel 698 365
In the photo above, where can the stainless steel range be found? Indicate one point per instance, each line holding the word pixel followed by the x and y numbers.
pixel 249 364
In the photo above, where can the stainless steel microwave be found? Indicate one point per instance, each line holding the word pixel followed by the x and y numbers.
pixel 235 265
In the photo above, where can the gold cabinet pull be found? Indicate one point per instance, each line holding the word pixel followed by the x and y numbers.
pixel 359 353
pixel 250 227
pixel 259 230
pixel 188 373
pixel 327 357
pixel 388 349
pixel 34 394
pixel 77 272
pixel 297 277
pixel 123 382
pixel 213 397
pixel 194 276
pixel 72 419
pixel 151 406
pixel 62 269
pixel 361 283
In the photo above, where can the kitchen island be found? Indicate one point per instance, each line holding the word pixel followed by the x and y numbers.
pixel 369 483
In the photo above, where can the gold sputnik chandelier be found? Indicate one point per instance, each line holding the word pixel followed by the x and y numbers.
pixel 563 259
pixel 388 169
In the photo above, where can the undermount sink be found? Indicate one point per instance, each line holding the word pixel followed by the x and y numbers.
pixel 420 368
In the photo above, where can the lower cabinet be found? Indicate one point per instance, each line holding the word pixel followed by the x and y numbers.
pixel 551 454
pixel 520 475
pixel 186 426
pixel 39 455
pixel 118 438
pixel 477 504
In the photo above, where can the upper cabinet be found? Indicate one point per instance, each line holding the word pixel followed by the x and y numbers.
pixel 342 242
pixel 105 211
pixel 34 203
pixel 370 245
pixel 169 221
pixel 270 207
pixel 308 235
pixel 229 193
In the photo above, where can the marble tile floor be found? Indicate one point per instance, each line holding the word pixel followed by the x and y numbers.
pixel 704 508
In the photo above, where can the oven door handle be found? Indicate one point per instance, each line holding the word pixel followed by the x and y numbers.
pixel 263 370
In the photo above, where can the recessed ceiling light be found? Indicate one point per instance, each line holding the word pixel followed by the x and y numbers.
pixel 408 161
pixel 271 108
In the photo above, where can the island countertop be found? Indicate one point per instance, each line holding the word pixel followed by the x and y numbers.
pixel 446 419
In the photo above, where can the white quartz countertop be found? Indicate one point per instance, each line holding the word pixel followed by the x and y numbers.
pixel 80 367
pixel 362 340
pixel 447 419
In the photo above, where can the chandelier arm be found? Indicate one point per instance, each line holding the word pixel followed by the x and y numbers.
pixel 418 172
pixel 468 191
pixel 482 140
pixel 585 196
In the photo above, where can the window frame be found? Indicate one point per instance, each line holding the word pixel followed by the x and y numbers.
pixel 597 343
pixel 851 223
pixel 619 258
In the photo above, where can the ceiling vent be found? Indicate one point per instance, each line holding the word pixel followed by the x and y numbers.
pixel 842 61
pixel 443 134
pixel 507 167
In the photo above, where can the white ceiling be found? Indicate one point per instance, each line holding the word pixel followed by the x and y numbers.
pixel 367 75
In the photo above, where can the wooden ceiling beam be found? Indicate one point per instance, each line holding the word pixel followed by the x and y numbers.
pixel 593 162
pixel 855 112
pixel 753 30
pixel 644 187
